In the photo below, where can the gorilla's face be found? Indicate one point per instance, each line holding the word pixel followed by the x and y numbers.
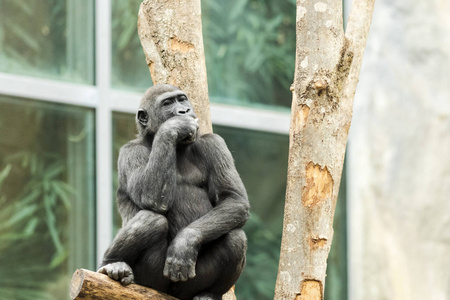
pixel 160 103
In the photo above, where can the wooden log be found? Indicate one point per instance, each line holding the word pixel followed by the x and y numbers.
pixel 90 285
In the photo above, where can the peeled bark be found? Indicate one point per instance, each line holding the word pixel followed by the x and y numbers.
pixel 326 74
pixel 171 36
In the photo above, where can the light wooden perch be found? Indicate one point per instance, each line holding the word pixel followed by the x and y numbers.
pixel 90 285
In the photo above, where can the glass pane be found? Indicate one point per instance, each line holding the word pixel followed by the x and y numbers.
pixel 250 50
pixel 336 281
pixel 124 130
pixel 130 71
pixel 47 207
pixel 261 159
pixel 52 39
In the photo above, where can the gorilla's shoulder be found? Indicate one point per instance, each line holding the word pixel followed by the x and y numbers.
pixel 134 144
pixel 133 149
pixel 211 140
pixel 213 147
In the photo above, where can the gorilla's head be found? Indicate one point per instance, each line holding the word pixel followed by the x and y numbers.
pixel 160 103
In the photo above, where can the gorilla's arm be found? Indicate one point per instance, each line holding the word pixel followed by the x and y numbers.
pixel 149 172
pixel 147 176
pixel 225 189
pixel 231 208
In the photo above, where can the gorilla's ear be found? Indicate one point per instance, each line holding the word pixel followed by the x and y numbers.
pixel 142 117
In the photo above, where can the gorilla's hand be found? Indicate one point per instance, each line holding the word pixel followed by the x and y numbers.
pixel 181 258
pixel 181 129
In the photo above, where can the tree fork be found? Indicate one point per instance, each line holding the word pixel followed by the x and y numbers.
pixel 326 74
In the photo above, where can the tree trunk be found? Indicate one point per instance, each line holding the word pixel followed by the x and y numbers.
pixel 90 285
pixel 326 73
pixel 171 36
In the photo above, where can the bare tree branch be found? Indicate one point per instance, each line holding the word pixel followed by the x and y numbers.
pixel 326 72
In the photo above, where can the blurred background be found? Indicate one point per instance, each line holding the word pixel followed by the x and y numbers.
pixel 71 76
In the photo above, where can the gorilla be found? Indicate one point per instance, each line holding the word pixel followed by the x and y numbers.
pixel 182 204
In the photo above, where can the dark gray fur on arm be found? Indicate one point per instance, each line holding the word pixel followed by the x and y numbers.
pixel 226 191
pixel 151 175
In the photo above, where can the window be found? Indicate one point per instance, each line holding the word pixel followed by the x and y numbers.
pixel 68 94
pixel 250 51
pixel 128 71
pixel 46 196
pixel 47 39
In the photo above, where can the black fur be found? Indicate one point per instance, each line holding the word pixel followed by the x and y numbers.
pixel 182 203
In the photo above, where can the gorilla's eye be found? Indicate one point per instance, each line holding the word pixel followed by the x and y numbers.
pixel 167 102
pixel 182 98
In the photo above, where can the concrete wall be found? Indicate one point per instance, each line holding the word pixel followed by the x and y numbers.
pixel 399 156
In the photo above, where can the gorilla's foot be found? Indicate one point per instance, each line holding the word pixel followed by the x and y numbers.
pixel 119 271
pixel 207 296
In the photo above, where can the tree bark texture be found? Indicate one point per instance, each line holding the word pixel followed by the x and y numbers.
pixel 326 74
pixel 90 285
pixel 171 36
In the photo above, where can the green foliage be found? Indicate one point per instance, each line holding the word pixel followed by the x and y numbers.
pixel 35 201
pixel 29 221
pixel 260 273
pixel 32 36
pixel 250 50
pixel 128 60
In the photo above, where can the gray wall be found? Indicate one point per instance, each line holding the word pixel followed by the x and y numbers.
pixel 399 156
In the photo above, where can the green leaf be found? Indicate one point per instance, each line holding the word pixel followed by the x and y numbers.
pixel 59 258
pixel 35 193
pixel 238 9
pixel 4 173
pixel 24 213
pixel 63 194
pixel 67 187
pixel 31 227
pixel 54 170
pixel 275 22
pixel 34 165
pixel 51 222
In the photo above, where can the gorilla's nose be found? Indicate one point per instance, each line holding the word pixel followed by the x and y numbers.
pixel 183 111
